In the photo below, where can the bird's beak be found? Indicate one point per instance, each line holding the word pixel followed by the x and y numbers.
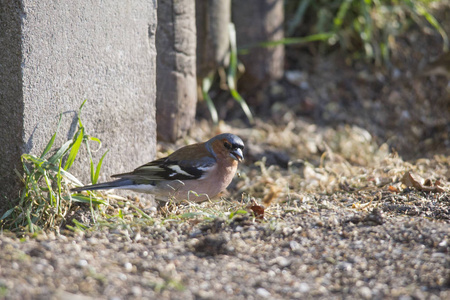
pixel 236 154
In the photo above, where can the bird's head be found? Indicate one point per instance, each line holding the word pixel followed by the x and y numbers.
pixel 228 145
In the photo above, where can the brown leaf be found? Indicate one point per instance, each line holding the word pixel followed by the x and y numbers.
pixel 428 182
pixel 412 180
pixel 393 189
pixel 417 182
pixel 258 210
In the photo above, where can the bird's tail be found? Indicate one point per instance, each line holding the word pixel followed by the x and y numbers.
pixel 116 184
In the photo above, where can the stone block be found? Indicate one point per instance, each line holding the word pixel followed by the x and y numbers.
pixel 56 54
pixel 176 71
pixel 213 37
pixel 259 21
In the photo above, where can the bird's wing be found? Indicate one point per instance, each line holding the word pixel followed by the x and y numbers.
pixel 169 169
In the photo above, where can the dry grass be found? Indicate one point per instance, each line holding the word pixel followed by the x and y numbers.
pixel 334 168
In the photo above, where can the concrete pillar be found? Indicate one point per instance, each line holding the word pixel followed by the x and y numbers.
pixel 176 98
pixel 213 42
pixel 56 54
pixel 259 21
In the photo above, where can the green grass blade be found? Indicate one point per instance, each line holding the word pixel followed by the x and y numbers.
pixel 420 9
pixel 367 31
pixel 7 213
pixel 93 215
pixel 142 213
pixel 59 184
pixel 60 153
pixel 79 114
pixel 94 139
pixel 67 175
pixel 79 137
pixel 79 225
pixel 231 76
pixel 52 140
pixel 343 9
pixel 50 190
pixel 290 41
pixel 206 85
pixel 233 56
pixel 85 199
pixel 243 104
pixel 298 17
pixel 91 168
pixel 91 161
pixel 29 222
pixel 237 212
pixel 94 179
pixel 385 53
pixel 75 148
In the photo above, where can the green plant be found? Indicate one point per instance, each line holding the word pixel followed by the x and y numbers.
pixel 365 27
pixel 231 81
pixel 232 74
pixel 45 199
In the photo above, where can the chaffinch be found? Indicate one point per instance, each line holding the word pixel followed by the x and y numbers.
pixel 196 172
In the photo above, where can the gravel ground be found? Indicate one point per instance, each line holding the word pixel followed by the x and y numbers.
pixel 321 250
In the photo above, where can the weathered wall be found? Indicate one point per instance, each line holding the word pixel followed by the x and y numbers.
pixel 55 54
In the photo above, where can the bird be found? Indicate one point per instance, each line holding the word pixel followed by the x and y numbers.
pixel 196 172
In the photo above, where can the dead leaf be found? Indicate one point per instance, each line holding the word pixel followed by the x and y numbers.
pixel 417 182
pixel 428 182
pixel 411 180
pixel 258 210
pixel 393 189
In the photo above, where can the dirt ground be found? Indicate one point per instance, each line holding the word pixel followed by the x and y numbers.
pixel 327 159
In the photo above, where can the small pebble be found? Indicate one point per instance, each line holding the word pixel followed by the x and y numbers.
pixel 128 267
pixel 282 261
pixel 122 276
pixel 294 245
pixel 136 290
pixel 344 266
pixel 82 263
pixel 303 287
pixel 365 292
pixel 262 292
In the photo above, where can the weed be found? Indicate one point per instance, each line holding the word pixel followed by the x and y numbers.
pixel 365 27
pixel 45 199
pixel 231 82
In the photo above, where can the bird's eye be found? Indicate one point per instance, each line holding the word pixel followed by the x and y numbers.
pixel 227 145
